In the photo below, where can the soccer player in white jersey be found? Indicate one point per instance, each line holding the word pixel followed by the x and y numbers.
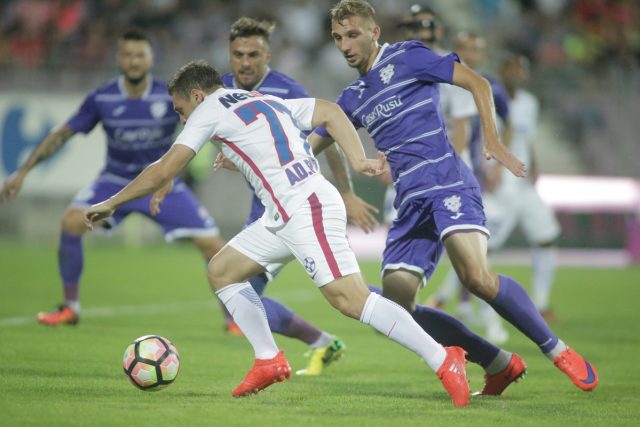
pixel 438 198
pixel 304 216
pixel 516 201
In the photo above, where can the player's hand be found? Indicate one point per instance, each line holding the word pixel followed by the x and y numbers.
pixel 360 212
pixel 371 167
pixel 221 162
pixel 500 153
pixel 158 197
pixel 97 213
pixel 11 187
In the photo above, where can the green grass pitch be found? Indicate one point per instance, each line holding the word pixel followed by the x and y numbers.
pixel 72 376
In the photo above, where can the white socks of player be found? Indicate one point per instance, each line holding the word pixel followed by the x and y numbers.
pixel 247 311
pixel 324 340
pixel 395 322
pixel 544 270
pixel 74 305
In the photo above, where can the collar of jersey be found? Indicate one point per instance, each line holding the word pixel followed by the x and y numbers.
pixel 124 93
pixel 257 85
pixel 379 57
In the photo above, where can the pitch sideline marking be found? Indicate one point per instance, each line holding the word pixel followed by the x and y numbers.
pixel 142 309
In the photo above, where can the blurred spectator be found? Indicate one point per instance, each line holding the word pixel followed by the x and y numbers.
pixel 581 50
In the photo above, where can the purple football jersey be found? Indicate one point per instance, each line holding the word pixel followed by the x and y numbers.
pixel 139 131
pixel 397 101
pixel 277 84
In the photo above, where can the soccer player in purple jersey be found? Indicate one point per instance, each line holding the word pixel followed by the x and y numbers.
pixel 304 216
pixel 438 199
pixel 138 118
pixel 249 56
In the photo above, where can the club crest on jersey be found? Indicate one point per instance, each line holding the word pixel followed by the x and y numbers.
pixel 309 264
pixel 453 203
pixel 386 73
pixel 158 109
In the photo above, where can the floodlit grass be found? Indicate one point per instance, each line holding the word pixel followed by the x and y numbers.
pixel 72 376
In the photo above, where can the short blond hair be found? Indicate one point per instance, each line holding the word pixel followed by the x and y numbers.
pixel 348 8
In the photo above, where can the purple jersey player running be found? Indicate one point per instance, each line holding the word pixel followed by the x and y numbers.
pixel 138 118
pixel 438 198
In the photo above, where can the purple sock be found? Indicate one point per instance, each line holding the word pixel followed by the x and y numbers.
pixel 284 322
pixel 449 331
pixel 515 306
pixel 70 263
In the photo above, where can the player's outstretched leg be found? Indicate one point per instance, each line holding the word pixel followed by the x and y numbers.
pixel 513 303
pixel 508 298
pixel 449 331
pixel 350 295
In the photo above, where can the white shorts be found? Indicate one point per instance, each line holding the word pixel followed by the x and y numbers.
pixel 507 209
pixel 315 235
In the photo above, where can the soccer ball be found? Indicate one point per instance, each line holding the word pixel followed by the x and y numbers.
pixel 151 363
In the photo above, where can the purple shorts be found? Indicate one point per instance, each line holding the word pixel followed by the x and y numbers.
pixel 414 241
pixel 181 214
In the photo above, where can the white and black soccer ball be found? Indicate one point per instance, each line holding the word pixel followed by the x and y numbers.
pixel 151 363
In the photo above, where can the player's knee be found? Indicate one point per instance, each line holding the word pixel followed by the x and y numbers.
pixel 73 222
pixel 209 246
pixel 479 282
pixel 217 273
pixel 401 288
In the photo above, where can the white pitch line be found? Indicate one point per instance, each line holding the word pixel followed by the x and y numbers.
pixel 125 310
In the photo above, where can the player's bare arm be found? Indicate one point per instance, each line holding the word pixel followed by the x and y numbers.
pixel 359 212
pixel 483 97
pixel 334 120
pixel 154 177
pixel 47 147
pixel 460 134
pixel 158 197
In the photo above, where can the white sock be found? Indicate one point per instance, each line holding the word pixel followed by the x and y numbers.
pixel 559 348
pixel 247 311
pixel 449 286
pixel 396 323
pixel 324 340
pixel 499 363
pixel 544 270
pixel 73 305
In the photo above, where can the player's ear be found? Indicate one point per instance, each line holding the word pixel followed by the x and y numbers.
pixel 375 32
pixel 198 95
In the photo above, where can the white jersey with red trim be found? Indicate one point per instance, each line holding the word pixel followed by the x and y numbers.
pixel 262 136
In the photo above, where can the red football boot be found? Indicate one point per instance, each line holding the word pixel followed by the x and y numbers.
pixel 453 375
pixel 494 385
pixel 578 369
pixel 64 315
pixel 264 373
